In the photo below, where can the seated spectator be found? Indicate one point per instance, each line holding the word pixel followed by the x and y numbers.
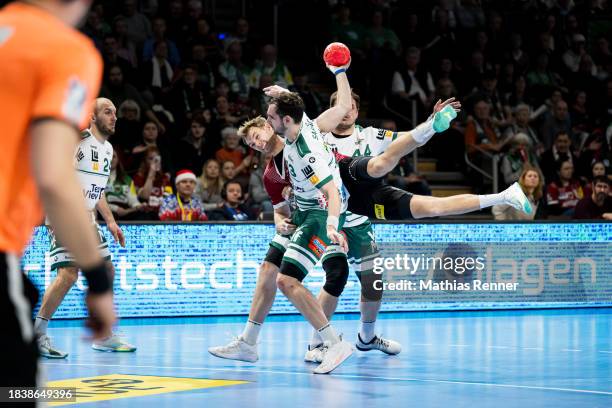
pixel 481 132
pixel 571 57
pixel 127 128
pixel 159 35
pixel 487 90
pixel 152 184
pixel 597 205
pixel 210 184
pixel 579 114
pixel 532 184
pixel 120 193
pixel 598 169
pixel 412 82
pixel 110 54
pixel 184 205
pixel 203 65
pixel 269 65
pixel 563 194
pixel 126 47
pixel 381 36
pixel 595 147
pixel 192 150
pixel 257 193
pixel 150 133
pixel 157 74
pixel 188 97
pixel 519 155
pixel 559 121
pixel 247 38
pixel 232 151
pixel 233 208
pixel 222 116
pixel 522 113
pixel 235 71
pixel 518 95
pixel 138 25
pixel 541 79
pixel 228 170
pixel 561 150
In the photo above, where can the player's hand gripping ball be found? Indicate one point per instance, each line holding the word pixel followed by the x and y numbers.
pixel 336 54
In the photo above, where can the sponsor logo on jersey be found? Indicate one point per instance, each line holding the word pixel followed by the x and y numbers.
pixel 80 155
pixel 388 134
pixel 317 246
pixel 94 154
pixel 311 160
pixel 381 134
pixel 379 211
pixel 308 172
pixel 74 102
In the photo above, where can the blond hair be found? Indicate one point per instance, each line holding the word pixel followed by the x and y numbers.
pixel 257 122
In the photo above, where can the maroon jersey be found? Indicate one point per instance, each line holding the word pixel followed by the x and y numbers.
pixel 275 179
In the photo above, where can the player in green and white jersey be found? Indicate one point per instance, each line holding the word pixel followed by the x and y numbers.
pixel 93 163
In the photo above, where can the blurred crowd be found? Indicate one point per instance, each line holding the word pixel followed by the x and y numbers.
pixel 534 77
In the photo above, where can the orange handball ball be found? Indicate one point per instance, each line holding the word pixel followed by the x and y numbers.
pixel 336 54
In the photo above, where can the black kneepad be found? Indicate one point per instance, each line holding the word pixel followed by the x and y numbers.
pixel 336 275
pixel 289 269
pixel 369 291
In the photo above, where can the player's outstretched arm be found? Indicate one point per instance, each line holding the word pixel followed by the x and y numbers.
pixel 406 142
pixel 106 213
pixel 331 118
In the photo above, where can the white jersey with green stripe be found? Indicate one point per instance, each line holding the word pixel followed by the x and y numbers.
pixel 93 165
pixel 368 141
pixel 362 142
pixel 311 166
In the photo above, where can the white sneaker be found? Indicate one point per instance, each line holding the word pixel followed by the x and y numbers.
pixel 114 343
pixel 391 347
pixel 515 197
pixel 334 356
pixel 47 350
pixel 237 349
pixel 315 354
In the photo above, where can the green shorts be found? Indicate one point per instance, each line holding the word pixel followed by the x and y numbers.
pixel 61 258
pixel 362 247
pixel 309 243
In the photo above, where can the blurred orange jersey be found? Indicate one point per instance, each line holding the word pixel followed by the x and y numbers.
pixel 48 70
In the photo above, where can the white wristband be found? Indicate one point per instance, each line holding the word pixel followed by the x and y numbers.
pixel 333 221
pixel 422 133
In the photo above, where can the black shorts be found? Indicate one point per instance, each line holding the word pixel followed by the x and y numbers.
pixel 370 196
pixel 18 296
pixel 274 256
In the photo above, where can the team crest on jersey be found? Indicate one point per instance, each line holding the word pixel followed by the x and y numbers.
pixel 311 160
pixel 308 172
pixel 94 155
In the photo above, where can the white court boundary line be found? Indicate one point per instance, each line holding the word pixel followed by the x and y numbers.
pixel 362 377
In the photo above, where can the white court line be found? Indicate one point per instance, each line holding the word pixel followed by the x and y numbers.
pixel 498 347
pixel 570 350
pixel 533 348
pixel 361 377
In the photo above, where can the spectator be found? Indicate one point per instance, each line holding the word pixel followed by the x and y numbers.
pixel 381 36
pixel 269 65
pixel 235 71
pixel 541 78
pixel 188 97
pixel 531 183
pixel 519 155
pixel 248 41
pixel 522 112
pixel 127 128
pixel 349 32
pixel 579 115
pixel 184 205
pixel 95 27
pixel 152 184
pixel 412 82
pixel 572 57
pixel 597 169
pixel 120 193
pixel 594 148
pixel 192 151
pixel 203 64
pixel 204 36
pixel 228 170
pixel 442 42
pixel 257 193
pixel 488 91
pixel 597 205
pixel 313 102
pixel 470 15
pixel 159 35
pixel 233 208
pixel 232 151
pixel 157 74
pixel 138 25
pixel 559 121
pixel 518 95
pixel 222 117
pixel 563 194
pixel 210 184
pixel 115 89
pixel 561 150
pixel 178 27
pixel 110 54
pixel 481 132
pixel 125 47
pixel 150 138
pixel 516 55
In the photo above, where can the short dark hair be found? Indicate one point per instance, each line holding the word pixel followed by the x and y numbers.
pixel 289 104
pixel 562 132
pixel 601 179
pixel 334 97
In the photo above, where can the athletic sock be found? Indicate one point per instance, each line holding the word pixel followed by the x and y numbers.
pixel 251 332
pixel 422 133
pixel 316 339
pixel 40 325
pixel 328 334
pixel 366 331
pixel 489 200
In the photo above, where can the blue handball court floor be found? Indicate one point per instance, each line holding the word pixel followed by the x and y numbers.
pixel 533 358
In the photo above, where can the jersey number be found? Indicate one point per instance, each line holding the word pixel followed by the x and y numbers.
pixel 106 165
pixel 292 171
